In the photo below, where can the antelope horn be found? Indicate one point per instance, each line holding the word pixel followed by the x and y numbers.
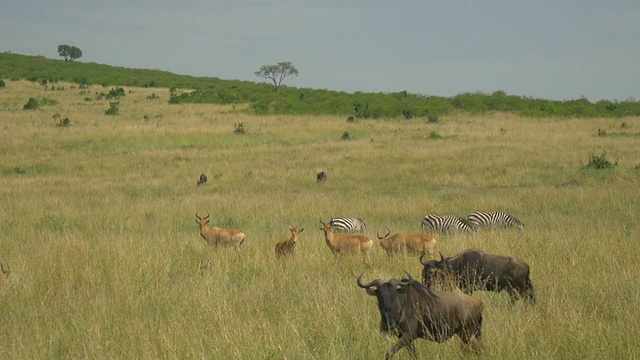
pixel 389 231
pixel 199 218
pixel 206 217
pixel 322 222
pixel 376 283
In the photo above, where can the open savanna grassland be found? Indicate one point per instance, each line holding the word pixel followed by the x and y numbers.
pixel 98 228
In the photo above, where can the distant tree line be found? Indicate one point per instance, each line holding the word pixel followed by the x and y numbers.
pixel 289 100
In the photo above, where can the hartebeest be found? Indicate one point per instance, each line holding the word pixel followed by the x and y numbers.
pixel 340 243
pixel 411 311
pixel 288 246
pixel 5 274
pixel 414 244
pixel 219 236
pixel 475 270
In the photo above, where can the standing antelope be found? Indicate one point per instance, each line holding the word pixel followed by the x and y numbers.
pixel 287 247
pixel 5 274
pixel 339 243
pixel 220 236
pixel 414 244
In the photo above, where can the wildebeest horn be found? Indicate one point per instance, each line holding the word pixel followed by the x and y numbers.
pixel 376 283
pixel 407 282
pixel 441 257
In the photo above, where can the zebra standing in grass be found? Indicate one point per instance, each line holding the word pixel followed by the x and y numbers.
pixel 347 225
pixel 446 223
pixel 481 219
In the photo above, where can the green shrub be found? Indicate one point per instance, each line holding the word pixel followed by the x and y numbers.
pixel 599 162
pixel 2 84
pixel 432 118
pixel 32 104
pixel 346 136
pixel 113 108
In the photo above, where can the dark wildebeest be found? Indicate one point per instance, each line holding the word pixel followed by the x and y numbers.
pixel 411 311
pixel 203 179
pixel 321 177
pixel 475 270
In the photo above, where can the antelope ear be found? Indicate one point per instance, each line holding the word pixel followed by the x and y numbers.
pixel 197 222
pixel 301 230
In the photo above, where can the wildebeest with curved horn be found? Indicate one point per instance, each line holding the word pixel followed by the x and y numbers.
pixel 475 270
pixel 412 311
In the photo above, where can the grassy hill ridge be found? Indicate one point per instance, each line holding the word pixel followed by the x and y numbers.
pixel 305 101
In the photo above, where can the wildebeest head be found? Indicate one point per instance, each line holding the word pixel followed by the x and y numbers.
pixel 432 271
pixel 202 180
pixel 387 295
pixel 321 176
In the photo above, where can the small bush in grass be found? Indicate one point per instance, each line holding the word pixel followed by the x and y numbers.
pixel 113 108
pixel 115 93
pixel 346 136
pixel 432 118
pixel 61 122
pixel 434 136
pixel 240 128
pixel 599 162
pixel 32 104
pixel 2 84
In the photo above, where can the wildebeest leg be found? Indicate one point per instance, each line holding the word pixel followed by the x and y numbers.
pixel 514 294
pixel 402 342
pixel 471 335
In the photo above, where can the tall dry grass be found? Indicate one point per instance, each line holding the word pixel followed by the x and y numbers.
pixel 98 227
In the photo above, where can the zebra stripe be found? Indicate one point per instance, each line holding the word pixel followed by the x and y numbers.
pixel 446 223
pixel 494 219
pixel 347 225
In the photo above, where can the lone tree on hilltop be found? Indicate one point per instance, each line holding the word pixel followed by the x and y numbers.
pixel 69 53
pixel 277 72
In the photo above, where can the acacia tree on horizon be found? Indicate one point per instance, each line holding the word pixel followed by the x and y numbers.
pixel 69 53
pixel 276 73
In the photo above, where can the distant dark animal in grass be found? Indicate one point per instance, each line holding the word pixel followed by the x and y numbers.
pixel 203 179
pixel 321 177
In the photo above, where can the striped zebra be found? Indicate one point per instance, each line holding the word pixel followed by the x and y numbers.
pixel 446 223
pixel 481 219
pixel 347 225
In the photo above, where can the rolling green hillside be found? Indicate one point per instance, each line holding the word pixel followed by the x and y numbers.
pixel 303 101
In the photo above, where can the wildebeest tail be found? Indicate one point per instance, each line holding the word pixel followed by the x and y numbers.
pixel 530 296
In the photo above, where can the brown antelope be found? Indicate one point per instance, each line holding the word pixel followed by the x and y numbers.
pixel 5 274
pixel 413 244
pixel 340 243
pixel 288 247
pixel 218 236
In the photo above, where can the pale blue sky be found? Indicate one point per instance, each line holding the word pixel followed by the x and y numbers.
pixel 550 49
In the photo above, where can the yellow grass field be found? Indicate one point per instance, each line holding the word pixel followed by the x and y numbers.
pixel 98 227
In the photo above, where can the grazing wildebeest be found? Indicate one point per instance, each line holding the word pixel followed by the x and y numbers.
pixel 475 270
pixel 340 243
pixel 203 179
pixel 321 177
pixel 288 246
pixel 407 243
pixel 411 311
pixel 218 236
